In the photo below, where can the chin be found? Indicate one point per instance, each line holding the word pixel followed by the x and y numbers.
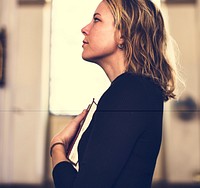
pixel 92 60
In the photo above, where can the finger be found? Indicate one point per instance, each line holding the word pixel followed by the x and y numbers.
pixel 81 116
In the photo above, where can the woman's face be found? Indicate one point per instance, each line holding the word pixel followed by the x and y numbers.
pixel 99 42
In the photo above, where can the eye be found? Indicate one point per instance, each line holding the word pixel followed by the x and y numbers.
pixel 96 19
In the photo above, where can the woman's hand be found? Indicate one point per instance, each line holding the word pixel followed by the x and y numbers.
pixel 65 136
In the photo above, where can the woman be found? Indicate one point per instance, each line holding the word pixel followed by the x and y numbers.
pixel 119 149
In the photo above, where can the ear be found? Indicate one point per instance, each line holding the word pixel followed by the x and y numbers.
pixel 119 37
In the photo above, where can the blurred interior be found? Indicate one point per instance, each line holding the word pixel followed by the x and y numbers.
pixel 31 108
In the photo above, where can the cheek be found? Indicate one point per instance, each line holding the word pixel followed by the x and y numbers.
pixel 103 41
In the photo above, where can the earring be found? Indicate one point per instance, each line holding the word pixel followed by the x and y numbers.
pixel 120 46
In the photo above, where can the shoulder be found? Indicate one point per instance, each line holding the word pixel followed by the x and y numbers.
pixel 132 85
pixel 135 83
pixel 133 91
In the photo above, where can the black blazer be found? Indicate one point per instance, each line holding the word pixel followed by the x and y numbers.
pixel 120 147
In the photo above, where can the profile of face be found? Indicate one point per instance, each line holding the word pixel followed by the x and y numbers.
pixel 100 42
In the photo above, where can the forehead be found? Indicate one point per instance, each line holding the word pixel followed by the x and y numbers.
pixel 103 9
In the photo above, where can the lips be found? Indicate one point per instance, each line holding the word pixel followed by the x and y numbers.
pixel 85 42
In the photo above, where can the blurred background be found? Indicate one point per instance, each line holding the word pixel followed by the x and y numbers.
pixel 44 83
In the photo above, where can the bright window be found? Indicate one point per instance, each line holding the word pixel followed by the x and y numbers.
pixel 73 81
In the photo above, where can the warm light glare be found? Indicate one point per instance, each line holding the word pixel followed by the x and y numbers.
pixel 74 82
pixel 157 2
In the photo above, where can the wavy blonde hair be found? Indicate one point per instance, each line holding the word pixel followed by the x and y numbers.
pixel 145 41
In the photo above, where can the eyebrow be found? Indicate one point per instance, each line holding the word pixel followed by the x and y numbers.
pixel 95 14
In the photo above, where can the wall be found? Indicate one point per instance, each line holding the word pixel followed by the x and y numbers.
pixel 24 98
pixel 182 147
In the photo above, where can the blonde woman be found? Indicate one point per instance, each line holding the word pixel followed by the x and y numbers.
pixel 119 149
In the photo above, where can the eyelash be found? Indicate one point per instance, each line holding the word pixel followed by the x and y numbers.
pixel 96 20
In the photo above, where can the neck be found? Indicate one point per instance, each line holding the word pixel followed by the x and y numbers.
pixel 113 65
pixel 113 73
pixel 113 68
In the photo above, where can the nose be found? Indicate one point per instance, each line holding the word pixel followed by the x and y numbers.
pixel 85 30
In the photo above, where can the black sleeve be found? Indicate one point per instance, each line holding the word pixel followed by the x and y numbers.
pixel 119 121
pixel 64 175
